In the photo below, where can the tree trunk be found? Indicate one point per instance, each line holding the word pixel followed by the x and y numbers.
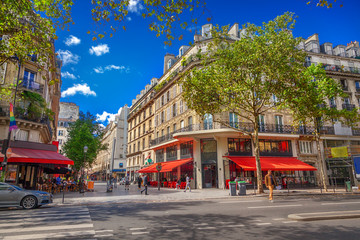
pixel 321 161
pixel 257 158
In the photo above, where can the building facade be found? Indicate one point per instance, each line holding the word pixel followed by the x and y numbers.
pixel 213 154
pixel 140 130
pixel 114 158
pixel 69 113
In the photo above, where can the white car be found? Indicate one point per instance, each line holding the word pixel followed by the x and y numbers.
pixel 14 196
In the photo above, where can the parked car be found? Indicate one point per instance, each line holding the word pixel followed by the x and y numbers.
pixel 14 196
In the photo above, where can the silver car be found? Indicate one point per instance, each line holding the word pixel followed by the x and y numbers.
pixel 14 196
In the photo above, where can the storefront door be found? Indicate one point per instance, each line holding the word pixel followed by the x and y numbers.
pixel 209 175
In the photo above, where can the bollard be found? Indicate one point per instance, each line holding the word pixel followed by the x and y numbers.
pixel 254 188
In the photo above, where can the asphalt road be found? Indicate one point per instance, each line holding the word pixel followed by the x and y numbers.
pixel 254 218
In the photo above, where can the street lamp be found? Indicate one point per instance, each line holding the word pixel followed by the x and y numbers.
pixel 81 188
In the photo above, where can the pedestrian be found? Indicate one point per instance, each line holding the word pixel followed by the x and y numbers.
pixel 127 183
pixel 145 185
pixel 270 183
pixel 187 183
pixel 139 180
pixel 178 183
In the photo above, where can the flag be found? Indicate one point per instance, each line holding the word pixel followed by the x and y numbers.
pixel 12 119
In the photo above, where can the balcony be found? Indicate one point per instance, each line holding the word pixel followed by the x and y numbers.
pixel 333 106
pixel 336 68
pixel 32 86
pixel 356 131
pixel 348 107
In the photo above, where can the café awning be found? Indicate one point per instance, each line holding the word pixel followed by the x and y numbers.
pixel 24 155
pixel 166 166
pixel 272 163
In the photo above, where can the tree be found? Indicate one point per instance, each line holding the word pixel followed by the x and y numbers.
pixel 309 103
pixel 243 77
pixel 84 132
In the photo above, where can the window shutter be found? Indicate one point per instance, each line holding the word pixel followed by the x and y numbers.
pixel 3 73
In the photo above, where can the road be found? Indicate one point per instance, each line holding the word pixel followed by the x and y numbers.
pixel 254 218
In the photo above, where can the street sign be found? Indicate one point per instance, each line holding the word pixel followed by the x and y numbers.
pixel 158 167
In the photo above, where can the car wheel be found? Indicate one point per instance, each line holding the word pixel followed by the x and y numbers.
pixel 29 202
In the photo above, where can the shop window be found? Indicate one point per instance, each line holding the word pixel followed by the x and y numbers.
pixel 305 147
pixel 233 120
pixel 186 150
pixel 171 153
pixel 159 155
pixel 275 147
pixel 239 147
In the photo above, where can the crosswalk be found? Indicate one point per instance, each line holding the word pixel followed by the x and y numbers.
pixel 46 223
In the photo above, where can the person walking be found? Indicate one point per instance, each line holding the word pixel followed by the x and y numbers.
pixel 187 183
pixel 270 183
pixel 178 183
pixel 145 185
pixel 127 183
pixel 139 180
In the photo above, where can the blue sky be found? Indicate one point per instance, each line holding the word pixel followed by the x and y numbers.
pixel 103 75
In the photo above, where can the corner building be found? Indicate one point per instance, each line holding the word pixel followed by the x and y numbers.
pixel 212 154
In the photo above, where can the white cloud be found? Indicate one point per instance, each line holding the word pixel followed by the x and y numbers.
pixel 129 19
pixel 83 89
pixel 72 40
pixel 68 75
pixel 111 67
pixel 135 6
pixel 99 49
pixel 68 57
pixel 105 116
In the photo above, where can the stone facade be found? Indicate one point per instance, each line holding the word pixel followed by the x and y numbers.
pixel 69 113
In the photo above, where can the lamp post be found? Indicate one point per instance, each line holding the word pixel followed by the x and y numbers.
pixel 81 188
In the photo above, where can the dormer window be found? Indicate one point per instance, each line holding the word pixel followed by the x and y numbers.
pixel 206 30
pixel 181 52
pixel 169 63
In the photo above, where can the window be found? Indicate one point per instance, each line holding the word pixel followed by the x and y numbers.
pixel 332 102
pixel 156 120
pixel 169 63
pixel 171 153
pixel 162 117
pixel 261 123
pixel 174 110
pixel 305 147
pixel 29 80
pixel 174 127
pixel 174 91
pixel 139 131
pixel 182 124
pixel 149 140
pixel 190 121
pixel 60 141
pixel 181 106
pixel 238 146
pixel 61 133
pixel 275 99
pixel 233 120
pixel 150 124
pixel 357 85
pixel 186 150
pixel 150 110
pixel 278 123
pixel 159 154
pixel 162 132
pixel 346 101
pixel 162 100
pixel 129 148
pixel 134 133
pixel 144 116
pixel 138 146
pixel 168 131
pixel 180 88
pixel 275 147
pixel 208 121
pixel 168 96
pixel 168 113
pixel 143 143
pixel 144 128
pixel 343 84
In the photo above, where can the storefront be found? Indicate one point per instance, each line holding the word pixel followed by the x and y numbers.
pixel 30 162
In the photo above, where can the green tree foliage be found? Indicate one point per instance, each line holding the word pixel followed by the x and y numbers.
pixel 324 3
pixel 243 76
pixel 309 102
pixel 86 131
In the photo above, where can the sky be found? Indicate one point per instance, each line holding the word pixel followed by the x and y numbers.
pixel 103 75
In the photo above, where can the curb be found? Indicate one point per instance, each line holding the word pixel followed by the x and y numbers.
pixel 325 215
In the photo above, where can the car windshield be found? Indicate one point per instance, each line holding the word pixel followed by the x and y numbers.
pixel 16 187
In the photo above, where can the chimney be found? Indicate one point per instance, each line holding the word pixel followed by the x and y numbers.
pixel 234 30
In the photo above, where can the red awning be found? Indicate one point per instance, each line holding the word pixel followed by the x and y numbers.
pixel 272 163
pixel 166 166
pixel 24 155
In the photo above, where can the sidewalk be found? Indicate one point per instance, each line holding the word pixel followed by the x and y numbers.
pixel 119 195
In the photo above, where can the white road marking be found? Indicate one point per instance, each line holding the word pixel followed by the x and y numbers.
pixel 204 228
pixel 45 228
pixel 260 224
pixel 340 203
pixel 230 226
pixel 242 201
pixel 104 235
pixel 200 224
pixel 135 229
pixel 173 230
pixel 255 220
pixel 289 222
pixel 278 206
pixel 49 215
pixel 50 235
pixel 226 222
pixel 169 226
pixel 102 231
pixel 139 233
pixel 279 219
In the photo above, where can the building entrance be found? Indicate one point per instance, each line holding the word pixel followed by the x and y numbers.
pixel 209 163
pixel 209 175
